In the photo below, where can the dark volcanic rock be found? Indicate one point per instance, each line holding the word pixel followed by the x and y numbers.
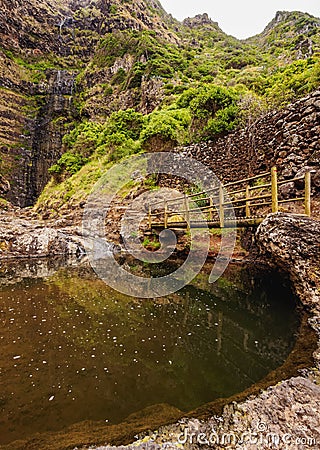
pixel 293 243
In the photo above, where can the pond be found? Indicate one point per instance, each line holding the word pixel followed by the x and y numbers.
pixel 73 349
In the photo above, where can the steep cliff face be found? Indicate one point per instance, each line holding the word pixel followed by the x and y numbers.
pixel 45 26
pixel 29 33
pixel 48 129
pixel 44 45
pixel 31 26
pixel 290 35
pixel 32 125
pixel 67 62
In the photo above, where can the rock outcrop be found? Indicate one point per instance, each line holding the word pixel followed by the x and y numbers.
pixel 20 238
pixel 293 244
pixel 200 21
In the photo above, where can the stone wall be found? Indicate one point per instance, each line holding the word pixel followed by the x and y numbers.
pixel 289 138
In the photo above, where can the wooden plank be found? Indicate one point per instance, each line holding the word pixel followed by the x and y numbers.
pixel 261 186
pixel 149 217
pixel 245 222
pixel 211 206
pixel 165 214
pixel 290 180
pixel 187 210
pixel 262 175
pixel 291 200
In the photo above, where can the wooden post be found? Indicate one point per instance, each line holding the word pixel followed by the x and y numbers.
pixel 211 209
pixel 248 201
pixel 165 214
pixel 274 190
pixel 221 206
pixel 186 210
pixel 307 192
pixel 149 217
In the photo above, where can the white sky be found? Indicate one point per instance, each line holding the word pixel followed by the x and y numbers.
pixel 240 18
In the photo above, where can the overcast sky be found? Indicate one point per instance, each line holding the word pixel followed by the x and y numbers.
pixel 240 18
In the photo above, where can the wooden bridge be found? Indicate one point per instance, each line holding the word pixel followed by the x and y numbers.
pixel 243 203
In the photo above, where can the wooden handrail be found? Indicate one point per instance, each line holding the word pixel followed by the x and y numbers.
pixel 245 180
pixel 216 204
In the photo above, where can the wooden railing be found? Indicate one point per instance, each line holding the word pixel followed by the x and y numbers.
pixel 238 204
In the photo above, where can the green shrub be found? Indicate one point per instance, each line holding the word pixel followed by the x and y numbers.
pixel 210 99
pixel 126 148
pixel 135 76
pixel 113 9
pixel 225 120
pixel 166 127
pixel 129 122
pixel 86 133
pixel 295 80
pixel 185 99
pixel 119 77
pixel 69 162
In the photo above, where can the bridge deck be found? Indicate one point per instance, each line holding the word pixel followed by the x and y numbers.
pixel 251 199
pixel 239 223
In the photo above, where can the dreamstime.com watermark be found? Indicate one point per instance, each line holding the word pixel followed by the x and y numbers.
pixel 140 167
pixel 261 437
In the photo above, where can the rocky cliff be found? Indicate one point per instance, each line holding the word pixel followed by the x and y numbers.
pixel 290 34
pixel 66 63
pixel 44 45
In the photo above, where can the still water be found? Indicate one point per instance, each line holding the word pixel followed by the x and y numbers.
pixel 72 349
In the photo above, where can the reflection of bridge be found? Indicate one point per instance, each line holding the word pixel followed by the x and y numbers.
pixel 243 203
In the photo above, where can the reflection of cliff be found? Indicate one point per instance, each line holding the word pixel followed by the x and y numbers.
pixel 242 311
pixel 100 355
pixel 13 273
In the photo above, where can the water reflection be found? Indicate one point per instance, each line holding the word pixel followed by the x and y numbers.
pixel 73 349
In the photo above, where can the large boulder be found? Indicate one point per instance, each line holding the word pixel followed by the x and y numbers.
pixel 292 243
pixel 21 238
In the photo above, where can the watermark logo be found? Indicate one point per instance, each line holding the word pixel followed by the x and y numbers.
pixel 261 437
pixel 98 206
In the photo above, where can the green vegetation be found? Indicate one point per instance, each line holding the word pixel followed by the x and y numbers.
pixel 142 92
pixel 4 204
pixel 205 114
pixel 151 244
pixel 69 162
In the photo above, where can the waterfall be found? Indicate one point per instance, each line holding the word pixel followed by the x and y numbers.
pixel 65 21
pixel 47 137
pixel 61 24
